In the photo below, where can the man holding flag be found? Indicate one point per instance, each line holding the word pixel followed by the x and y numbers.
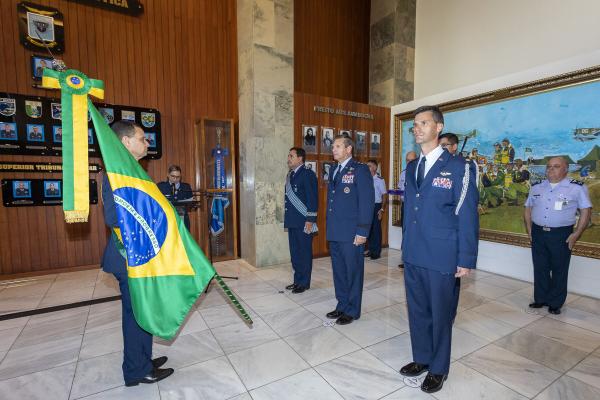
pixel 138 366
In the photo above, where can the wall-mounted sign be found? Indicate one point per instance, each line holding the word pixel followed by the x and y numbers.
pixel 41 27
pixel 8 166
pixel 130 7
pixel 38 192
pixel 339 111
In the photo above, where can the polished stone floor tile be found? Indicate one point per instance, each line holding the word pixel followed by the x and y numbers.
pixel 99 343
pixel 545 351
pixel 518 300
pixel 320 345
pixel 8 336
pixel 252 290
pixel 567 388
pixel 320 309
pixel 464 343
pixel 270 304
pixel 482 325
pixel 360 375
pixel 304 385
pixel 373 300
pixel 506 313
pixel 52 384
pixel 311 296
pixel 188 349
pixel 266 363
pixel 505 282
pixel 52 326
pixel 465 383
pixel 193 323
pixel 518 373
pixel 409 393
pixel 140 392
pixel 368 330
pixel 223 315
pixel 587 304
pixel 292 321
pixel 582 319
pixel 588 370
pixel 395 352
pixel 481 288
pixel 567 334
pixel 468 300
pixel 213 379
pixel 239 336
pixel 395 316
pixel 97 375
pixel 39 357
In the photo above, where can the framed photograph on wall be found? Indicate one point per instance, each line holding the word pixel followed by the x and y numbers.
pixel 375 144
pixel 360 141
pixel 38 63
pixel 512 133
pixel 346 132
pixel 309 138
pixel 311 165
pixel 327 135
pixel 326 170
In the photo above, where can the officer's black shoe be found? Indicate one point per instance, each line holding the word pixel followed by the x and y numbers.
pixel 367 253
pixel 537 305
pixel 299 289
pixel 401 265
pixel 413 369
pixel 334 314
pixel 159 362
pixel 433 383
pixel 554 310
pixel 374 257
pixel 344 320
pixel 156 375
pixel 290 287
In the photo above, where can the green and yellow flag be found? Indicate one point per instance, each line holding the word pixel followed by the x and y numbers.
pixel 166 268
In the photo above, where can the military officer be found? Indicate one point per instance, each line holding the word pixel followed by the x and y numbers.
pixel 350 203
pixel 439 246
pixel 380 189
pixel 175 190
pixel 550 213
pixel 301 204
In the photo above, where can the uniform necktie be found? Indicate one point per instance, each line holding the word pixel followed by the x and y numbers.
pixel 337 171
pixel 421 171
pixel 292 173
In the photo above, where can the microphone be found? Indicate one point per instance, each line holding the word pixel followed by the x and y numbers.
pixel 173 190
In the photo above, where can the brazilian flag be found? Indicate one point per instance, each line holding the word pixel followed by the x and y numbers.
pixel 167 270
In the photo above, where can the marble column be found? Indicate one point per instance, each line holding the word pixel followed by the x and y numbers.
pixel 266 92
pixel 392 52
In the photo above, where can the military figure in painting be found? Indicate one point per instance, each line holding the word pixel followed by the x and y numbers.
pixel 439 246
pixel 550 213
pixel 301 203
pixel 350 204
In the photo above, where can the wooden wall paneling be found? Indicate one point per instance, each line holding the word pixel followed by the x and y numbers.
pixel 179 57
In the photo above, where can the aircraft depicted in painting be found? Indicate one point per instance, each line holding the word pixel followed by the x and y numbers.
pixel 586 134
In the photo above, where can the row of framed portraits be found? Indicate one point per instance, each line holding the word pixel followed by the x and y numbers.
pixel 323 169
pixel 32 125
pixel 38 192
pixel 319 140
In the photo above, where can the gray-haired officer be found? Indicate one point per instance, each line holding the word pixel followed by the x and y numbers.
pixel 550 214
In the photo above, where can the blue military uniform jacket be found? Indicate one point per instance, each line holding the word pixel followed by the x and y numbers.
pixel 112 261
pixel 441 223
pixel 304 186
pixel 184 191
pixel 350 202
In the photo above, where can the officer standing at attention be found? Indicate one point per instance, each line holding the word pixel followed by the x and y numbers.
pixel 350 206
pixel 439 246
pixel 301 204
pixel 380 206
pixel 138 365
pixel 175 190
pixel 550 213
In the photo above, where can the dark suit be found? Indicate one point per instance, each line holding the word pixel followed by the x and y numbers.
pixel 435 241
pixel 304 185
pixel 137 343
pixel 183 193
pixel 350 202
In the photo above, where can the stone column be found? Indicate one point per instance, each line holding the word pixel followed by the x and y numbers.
pixel 266 92
pixel 392 52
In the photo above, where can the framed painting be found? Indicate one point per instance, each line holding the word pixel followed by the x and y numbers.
pixel 511 133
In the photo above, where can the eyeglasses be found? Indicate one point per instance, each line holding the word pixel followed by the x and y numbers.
pixel 175 176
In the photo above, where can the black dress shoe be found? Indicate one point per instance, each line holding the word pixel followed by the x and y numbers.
pixel 433 383
pixel 413 369
pixel 290 287
pixel 401 265
pixel 344 320
pixel 159 362
pixel 367 253
pixel 554 310
pixel 156 375
pixel 375 257
pixel 334 314
pixel 537 305
pixel 299 289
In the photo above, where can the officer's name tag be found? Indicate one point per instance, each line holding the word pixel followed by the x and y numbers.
pixel 558 205
pixel 444 183
pixel 348 179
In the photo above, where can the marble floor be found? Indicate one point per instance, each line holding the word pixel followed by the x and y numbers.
pixel 500 349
